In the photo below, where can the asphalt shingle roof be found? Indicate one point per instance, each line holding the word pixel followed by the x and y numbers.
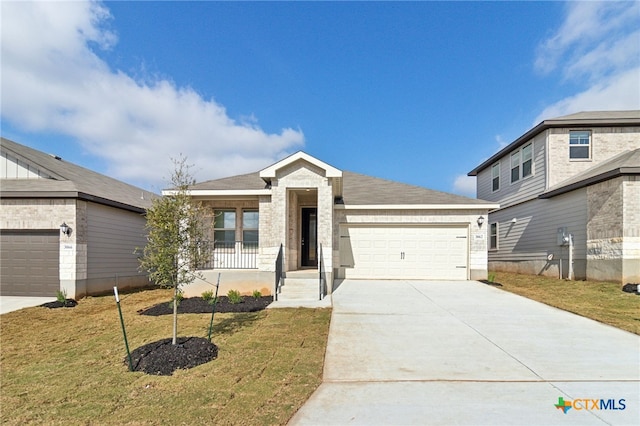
pixel 69 179
pixel 367 190
pixel 358 189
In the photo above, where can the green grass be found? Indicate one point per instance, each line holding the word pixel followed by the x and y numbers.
pixel 601 301
pixel 66 366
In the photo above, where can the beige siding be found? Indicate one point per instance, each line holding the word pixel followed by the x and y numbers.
pixel 606 142
pixel 533 235
pixel 112 237
pixel 524 189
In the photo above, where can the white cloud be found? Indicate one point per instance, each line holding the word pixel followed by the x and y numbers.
pixel 465 185
pixel 597 49
pixel 621 92
pixel 52 81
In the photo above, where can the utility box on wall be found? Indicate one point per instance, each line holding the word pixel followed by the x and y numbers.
pixel 563 236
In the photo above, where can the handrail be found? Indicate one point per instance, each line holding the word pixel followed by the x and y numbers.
pixel 322 280
pixel 279 273
pixel 230 255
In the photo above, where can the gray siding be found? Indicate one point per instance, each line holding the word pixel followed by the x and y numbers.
pixel 112 236
pixel 534 234
pixel 522 190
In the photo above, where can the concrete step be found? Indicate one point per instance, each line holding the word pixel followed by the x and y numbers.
pixel 299 289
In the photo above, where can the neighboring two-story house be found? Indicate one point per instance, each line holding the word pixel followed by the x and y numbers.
pixel 569 195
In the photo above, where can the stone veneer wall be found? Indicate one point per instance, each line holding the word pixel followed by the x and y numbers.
pixel 50 214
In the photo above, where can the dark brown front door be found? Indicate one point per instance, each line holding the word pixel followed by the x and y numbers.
pixel 309 241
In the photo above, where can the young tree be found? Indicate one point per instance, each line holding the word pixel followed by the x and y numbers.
pixel 176 227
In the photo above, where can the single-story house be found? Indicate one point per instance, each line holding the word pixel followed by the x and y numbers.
pixel 63 227
pixel 348 225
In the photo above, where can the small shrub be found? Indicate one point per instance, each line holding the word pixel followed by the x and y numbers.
pixel 492 277
pixel 234 296
pixel 61 295
pixel 256 294
pixel 209 297
pixel 179 298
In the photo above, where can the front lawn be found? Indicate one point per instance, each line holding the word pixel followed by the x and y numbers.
pixel 66 365
pixel 601 301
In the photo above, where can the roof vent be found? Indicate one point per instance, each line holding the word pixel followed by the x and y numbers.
pixel 56 156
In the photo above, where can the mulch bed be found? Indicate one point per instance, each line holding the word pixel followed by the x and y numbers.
pixel 493 283
pixel 162 358
pixel 197 305
pixel 68 303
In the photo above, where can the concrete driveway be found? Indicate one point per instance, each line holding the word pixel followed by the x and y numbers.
pixel 465 353
pixel 14 303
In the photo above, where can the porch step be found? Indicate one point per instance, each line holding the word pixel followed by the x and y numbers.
pixel 296 289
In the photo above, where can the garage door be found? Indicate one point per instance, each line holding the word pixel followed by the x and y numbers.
pixel 29 263
pixel 409 252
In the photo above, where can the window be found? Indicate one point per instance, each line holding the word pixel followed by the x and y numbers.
pixel 495 177
pixel 515 166
pixel 250 220
pixel 527 160
pixel 224 229
pixel 522 163
pixel 580 145
pixel 493 236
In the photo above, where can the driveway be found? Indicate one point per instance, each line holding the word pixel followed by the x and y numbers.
pixel 14 303
pixel 465 353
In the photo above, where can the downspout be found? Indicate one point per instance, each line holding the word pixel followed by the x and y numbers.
pixel 570 275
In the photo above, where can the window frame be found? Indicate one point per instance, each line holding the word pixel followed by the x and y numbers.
pixel 496 166
pixel 224 243
pixel 253 244
pixel 492 236
pixel 520 166
pixel 588 145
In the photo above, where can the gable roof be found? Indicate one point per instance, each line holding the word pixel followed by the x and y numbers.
pixel 68 180
pixel 357 190
pixel 578 120
pixel 625 163
pixel 270 172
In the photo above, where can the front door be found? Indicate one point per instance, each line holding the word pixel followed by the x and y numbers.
pixel 309 241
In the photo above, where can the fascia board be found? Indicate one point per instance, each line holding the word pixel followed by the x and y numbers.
pixel 221 192
pixel 417 207
pixel 270 172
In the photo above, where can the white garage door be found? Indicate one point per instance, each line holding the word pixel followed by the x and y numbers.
pixel 409 252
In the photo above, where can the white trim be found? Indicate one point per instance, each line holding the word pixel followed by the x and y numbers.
pixel 270 172
pixel 417 206
pixel 220 192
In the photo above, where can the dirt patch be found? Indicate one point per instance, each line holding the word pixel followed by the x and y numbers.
pixel 197 305
pixel 163 358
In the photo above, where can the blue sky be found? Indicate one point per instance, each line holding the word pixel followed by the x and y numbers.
pixel 417 92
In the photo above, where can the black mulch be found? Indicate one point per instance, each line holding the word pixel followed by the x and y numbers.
pixel 493 283
pixel 68 303
pixel 161 358
pixel 197 305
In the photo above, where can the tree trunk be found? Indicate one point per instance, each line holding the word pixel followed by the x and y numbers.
pixel 175 316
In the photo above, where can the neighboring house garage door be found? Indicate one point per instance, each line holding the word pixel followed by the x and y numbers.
pixel 404 252
pixel 29 263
